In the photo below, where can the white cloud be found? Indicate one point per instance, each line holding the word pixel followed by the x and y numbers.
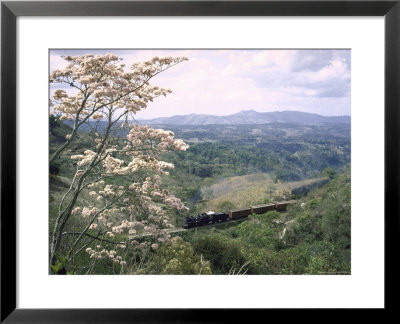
pixel 222 82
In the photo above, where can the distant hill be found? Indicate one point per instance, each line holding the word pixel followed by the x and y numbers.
pixel 250 117
pixel 244 117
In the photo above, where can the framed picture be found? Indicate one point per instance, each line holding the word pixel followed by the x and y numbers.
pixel 328 60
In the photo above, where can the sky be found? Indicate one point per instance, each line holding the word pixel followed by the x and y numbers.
pixel 224 82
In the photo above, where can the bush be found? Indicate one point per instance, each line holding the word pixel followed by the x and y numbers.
pixel 224 254
pixel 177 257
pixel 329 172
pixel 266 261
pixel 259 230
pixel 323 227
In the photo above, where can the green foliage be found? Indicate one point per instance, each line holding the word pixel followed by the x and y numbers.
pixel 259 230
pixel 326 215
pixel 329 172
pixel 317 265
pixel 311 204
pixel 318 240
pixel 323 227
pixel 327 258
pixel 59 268
pixel 269 261
pixel 289 152
pixel 57 130
pixel 224 254
pixel 265 201
pixel 177 257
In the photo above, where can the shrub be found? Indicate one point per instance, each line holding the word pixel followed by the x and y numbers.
pixel 223 254
pixel 259 230
pixel 177 257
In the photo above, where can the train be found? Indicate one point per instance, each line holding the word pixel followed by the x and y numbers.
pixel 219 217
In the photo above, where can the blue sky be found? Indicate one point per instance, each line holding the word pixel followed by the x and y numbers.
pixel 223 82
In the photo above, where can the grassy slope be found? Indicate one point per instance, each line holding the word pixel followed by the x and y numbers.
pixel 244 191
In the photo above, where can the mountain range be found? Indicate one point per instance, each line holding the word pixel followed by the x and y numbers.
pixel 249 117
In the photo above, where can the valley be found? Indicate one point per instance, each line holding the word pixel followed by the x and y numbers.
pixel 231 167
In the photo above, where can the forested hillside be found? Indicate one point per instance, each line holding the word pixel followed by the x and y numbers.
pixel 312 237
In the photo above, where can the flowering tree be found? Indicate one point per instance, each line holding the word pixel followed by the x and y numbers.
pixel 122 175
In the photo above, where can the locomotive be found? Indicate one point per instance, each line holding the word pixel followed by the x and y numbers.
pixel 213 217
pixel 204 219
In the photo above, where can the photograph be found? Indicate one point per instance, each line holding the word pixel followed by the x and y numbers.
pixel 193 161
pixel 199 161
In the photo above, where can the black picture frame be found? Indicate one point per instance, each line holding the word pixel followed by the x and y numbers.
pixel 11 10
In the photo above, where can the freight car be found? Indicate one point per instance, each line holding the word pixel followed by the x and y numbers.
pixel 239 213
pixel 262 209
pixel 282 205
pixel 213 218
